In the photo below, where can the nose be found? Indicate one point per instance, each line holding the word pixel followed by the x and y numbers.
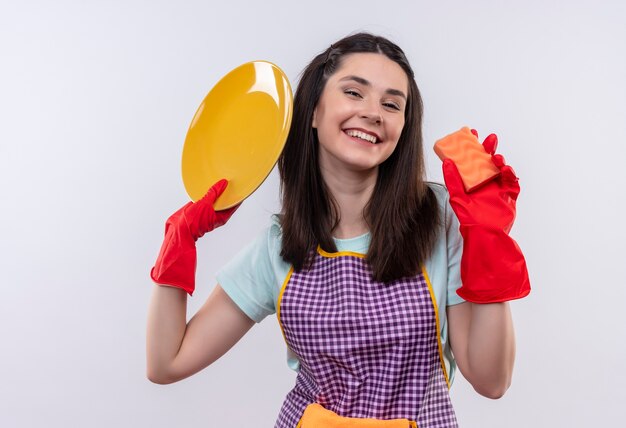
pixel 371 112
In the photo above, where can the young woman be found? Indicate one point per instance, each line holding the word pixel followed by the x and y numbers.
pixel 381 290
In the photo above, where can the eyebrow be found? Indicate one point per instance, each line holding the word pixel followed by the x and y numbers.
pixel 365 82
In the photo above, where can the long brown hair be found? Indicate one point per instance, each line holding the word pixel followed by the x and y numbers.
pixel 402 213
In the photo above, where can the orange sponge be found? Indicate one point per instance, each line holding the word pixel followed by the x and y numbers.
pixel 474 164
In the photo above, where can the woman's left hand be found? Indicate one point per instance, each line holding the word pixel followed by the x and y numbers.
pixel 492 204
pixel 493 268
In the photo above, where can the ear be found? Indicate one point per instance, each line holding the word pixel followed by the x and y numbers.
pixel 314 123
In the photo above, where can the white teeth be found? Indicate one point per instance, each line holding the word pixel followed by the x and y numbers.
pixel 361 135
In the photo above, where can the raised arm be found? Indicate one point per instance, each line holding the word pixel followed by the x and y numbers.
pixel 493 271
pixel 483 343
pixel 177 349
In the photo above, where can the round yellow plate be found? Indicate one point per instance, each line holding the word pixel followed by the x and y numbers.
pixel 238 132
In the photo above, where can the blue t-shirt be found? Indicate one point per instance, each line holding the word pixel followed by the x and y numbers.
pixel 254 278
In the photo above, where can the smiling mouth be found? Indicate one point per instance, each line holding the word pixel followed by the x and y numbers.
pixel 362 135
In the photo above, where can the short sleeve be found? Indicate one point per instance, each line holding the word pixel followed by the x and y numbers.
pixel 454 244
pixel 250 280
pixel 444 266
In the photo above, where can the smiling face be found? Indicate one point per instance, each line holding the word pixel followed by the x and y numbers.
pixel 360 114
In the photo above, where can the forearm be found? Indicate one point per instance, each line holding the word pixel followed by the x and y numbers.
pixel 167 323
pixel 490 348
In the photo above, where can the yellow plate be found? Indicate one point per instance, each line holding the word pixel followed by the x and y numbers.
pixel 238 132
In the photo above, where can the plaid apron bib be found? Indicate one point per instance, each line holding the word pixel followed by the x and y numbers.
pixel 366 349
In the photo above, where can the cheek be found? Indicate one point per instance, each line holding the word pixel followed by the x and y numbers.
pixel 398 127
pixel 333 121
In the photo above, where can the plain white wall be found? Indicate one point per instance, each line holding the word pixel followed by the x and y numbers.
pixel 95 101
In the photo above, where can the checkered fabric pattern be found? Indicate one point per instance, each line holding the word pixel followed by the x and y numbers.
pixel 366 349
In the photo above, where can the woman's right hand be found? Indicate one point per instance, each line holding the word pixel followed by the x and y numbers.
pixel 176 263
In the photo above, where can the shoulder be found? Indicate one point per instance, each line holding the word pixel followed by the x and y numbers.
pixel 274 235
pixel 253 277
pixel 268 243
pixel 443 200
pixel 440 191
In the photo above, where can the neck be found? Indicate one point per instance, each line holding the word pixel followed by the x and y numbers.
pixel 352 191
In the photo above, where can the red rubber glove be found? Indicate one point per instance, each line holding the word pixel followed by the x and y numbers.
pixel 176 264
pixel 493 268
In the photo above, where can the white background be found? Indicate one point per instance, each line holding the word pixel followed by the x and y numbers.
pixel 95 101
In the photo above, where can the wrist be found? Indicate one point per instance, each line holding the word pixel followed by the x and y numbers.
pixel 493 268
